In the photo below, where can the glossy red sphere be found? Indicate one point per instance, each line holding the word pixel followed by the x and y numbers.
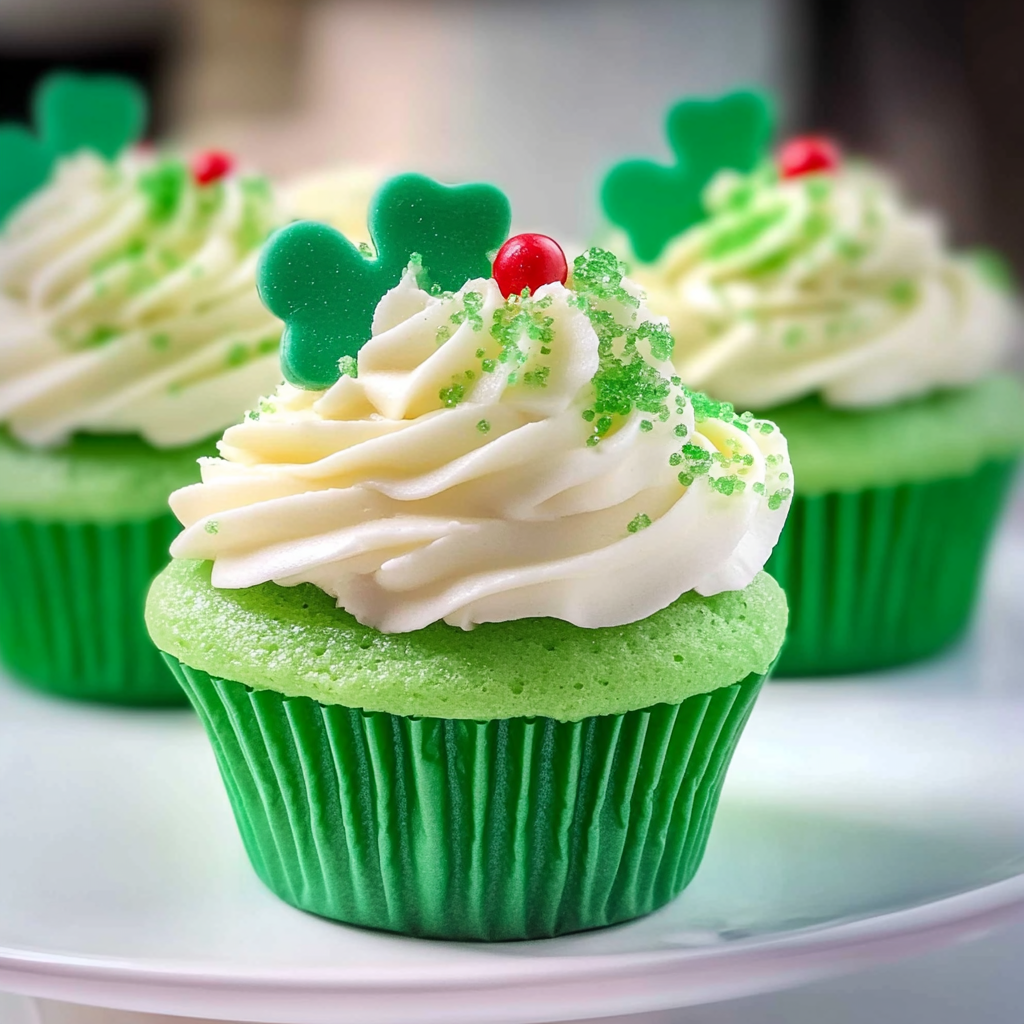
pixel 808 154
pixel 211 165
pixel 529 261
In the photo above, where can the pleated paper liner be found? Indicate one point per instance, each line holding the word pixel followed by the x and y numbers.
pixel 72 596
pixel 517 828
pixel 884 576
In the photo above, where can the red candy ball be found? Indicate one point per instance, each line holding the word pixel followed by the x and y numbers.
pixel 529 261
pixel 211 165
pixel 808 154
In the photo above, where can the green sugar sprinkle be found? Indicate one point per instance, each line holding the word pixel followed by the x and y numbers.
pixel 537 378
pixel 349 366
pixel 639 522
pixel 659 338
pixel 163 186
pixel 625 382
pixel 365 249
pixel 646 426
pixel 851 250
pixel 472 306
pixel 737 236
pixel 257 220
pixel 132 251
pixel 451 396
pixel 238 355
pixel 483 426
pixel 817 188
pixel 444 332
pixel 727 484
pixel 517 319
pixel 793 336
pixel 902 293
pixel 212 526
pixel 680 430
pixel 776 499
pixel 598 274
pixel 100 335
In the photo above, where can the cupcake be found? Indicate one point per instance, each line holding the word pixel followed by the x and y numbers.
pixel 472 607
pixel 803 286
pixel 131 334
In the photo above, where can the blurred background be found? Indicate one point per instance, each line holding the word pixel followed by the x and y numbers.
pixel 540 96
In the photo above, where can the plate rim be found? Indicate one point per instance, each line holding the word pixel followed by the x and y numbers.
pixel 978 909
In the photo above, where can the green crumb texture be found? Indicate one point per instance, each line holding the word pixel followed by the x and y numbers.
pixel 295 641
pixel 94 478
pixel 947 434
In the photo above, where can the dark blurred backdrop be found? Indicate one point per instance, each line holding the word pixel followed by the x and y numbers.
pixel 541 96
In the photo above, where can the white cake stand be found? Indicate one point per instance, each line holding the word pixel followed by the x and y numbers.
pixel 863 821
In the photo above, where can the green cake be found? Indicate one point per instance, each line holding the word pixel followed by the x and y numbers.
pixel 294 641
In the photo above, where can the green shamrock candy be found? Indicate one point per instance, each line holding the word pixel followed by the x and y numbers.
pixel 653 203
pixel 24 165
pixel 104 113
pixel 456 229
pixel 325 290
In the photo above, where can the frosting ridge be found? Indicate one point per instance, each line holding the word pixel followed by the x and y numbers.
pixel 486 459
pixel 824 283
pixel 129 304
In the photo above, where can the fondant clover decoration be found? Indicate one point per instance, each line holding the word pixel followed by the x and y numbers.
pixel 71 112
pixel 326 290
pixel 653 203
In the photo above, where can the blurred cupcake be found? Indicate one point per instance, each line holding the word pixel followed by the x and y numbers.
pixel 130 334
pixel 475 625
pixel 803 286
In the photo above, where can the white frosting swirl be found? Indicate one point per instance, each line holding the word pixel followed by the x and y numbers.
pixel 128 303
pixel 824 284
pixel 492 461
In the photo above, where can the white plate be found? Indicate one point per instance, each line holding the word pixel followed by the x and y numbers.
pixel 862 821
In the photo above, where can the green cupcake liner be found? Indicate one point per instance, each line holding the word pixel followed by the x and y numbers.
pixel 886 575
pixel 72 597
pixel 517 828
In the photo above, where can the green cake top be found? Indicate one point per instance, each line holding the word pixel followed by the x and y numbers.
pixel 295 641
pixel 948 434
pixel 94 479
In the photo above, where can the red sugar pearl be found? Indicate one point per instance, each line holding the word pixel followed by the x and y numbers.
pixel 211 165
pixel 529 261
pixel 808 154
